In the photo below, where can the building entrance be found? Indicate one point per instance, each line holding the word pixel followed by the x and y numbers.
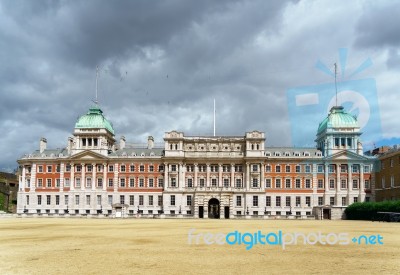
pixel 213 209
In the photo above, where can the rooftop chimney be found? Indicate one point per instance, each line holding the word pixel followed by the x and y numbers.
pixel 122 141
pixel 42 144
pixel 150 142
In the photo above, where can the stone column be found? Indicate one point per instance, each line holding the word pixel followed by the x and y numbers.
pixel 105 183
pixel 23 180
pixel 94 179
pixel 116 183
pixel 72 179
pixel 83 180
pixel 232 181
pixel 62 165
pixel 208 175
pixel 181 177
pixel 220 184
pixel 262 175
pixel 361 194
pixel 349 184
pixel 166 175
pixel 326 182
pixel 247 180
pixel 196 170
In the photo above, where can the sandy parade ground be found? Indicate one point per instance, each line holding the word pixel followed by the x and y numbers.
pixel 177 246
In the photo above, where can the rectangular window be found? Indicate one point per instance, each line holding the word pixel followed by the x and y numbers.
pixel 255 182
pixel 277 169
pixel 298 183
pixel 173 168
pixel 58 168
pixel 332 200
pixel 288 183
pixel 287 169
pixel 288 202
pixel 98 199
pixel 48 199
pixel 76 199
pixel 355 168
pixel 238 201
pixel 189 200
pixel 190 183
pixel 110 199
pixel 355 199
pixel 100 182
pixel 214 182
pixel 320 183
pixel 308 183
pixel 343 183
pixel 39 199
pixel 40 169
pixel 331 168
pixel 89 168
pixel 278 183
pixel 40 183
pixel 343 201
pixel 308 168
pixel 110 182
pixel 160 182
pixel 268 168
pixel 278 201
pixel 320 168
pixel 67 182
pixel 320 200
pixel 88 182
pixel 141 182
pixel 66 199
pixel 141 200
pixel 268 201
pixel 131 182
pixel 132 168
pixel 298 169
pixel 123 168
pixel 172 200
pixel 57 199
pixel 332 183
pixel 308 201
pixel 151 168
pixel 151 182
pixel 131 199
pixel 48 182
pixel 355 184
pixel 150 200
pixel 238 168
pixel 366 184
pixel 159 200
pixel 49 169
pixel 298 201
pixel 173 182
pixel 367 169
pixel 27 199
pixel 254 167
pixel 161 168
pixel 238 183
pixel 226 182
pixel 122 199
pixel 99 168
pixel 87 199
pixel 267 183
pixel 255 200
pixel 78 182
pixel 343 168
pixel 141 168
pixel 111 168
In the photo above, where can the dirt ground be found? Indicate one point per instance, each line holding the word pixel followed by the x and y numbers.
pixel 146 246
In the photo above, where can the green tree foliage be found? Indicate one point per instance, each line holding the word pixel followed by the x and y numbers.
pixel 368 210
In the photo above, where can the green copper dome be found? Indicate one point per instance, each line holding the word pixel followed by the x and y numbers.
pixel 338 118
pixel 94 119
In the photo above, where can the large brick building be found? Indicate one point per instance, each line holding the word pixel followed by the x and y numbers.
pixel 197 176
pixel 387 185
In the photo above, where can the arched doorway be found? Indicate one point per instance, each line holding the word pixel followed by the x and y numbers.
pixel 213 208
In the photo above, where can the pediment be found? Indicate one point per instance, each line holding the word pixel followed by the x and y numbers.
pixel 88 155
pixel 346 155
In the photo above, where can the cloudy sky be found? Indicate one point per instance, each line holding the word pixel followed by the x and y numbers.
pixel 163 62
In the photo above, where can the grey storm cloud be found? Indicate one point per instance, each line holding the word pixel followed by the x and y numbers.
pixel 162 63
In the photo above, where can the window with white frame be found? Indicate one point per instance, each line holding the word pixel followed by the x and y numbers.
pixel 226 182
pixel 355 183
pixel 131 182
pixel 268 183
pixel 172 200
pixel 189 182
pixel 48 182
pixel 238 183
pixel 122 182
pixel 238 200
pixel 268 168
pixel 343 183
pixel 331 183
pixel 288 183
pixel 110 182
pixel 188 200
pixel 255 200
pixel 214 182
pixel 151 182
pixel 308 183
pixel 297 183
pixel 268 201
pixel 255 182
pixel 278 183
pixel 308 168
pixel 141 182
pixel 201 182
pixel 287 168
pixel 278 169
